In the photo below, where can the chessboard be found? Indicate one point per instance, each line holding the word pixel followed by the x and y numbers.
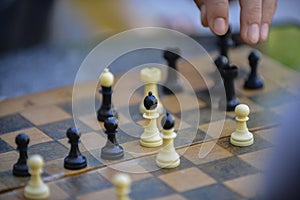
pixel 226 172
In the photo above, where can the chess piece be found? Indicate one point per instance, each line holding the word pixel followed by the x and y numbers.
pixel 21 168
pixel 151 76
pixel 225 42
pixel 254 81
pixel 122 184
pixel 173 83
pixel 150 136
pixel 242 137
pixel 112 150
pixel 229 73
pixel 220 62
pixel 74 160
pixel 106 110
pixel 167 157
pixel 36 188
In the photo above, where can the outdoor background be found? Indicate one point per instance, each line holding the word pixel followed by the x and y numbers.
pixel 44 42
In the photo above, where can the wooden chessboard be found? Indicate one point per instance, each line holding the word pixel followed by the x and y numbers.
pixel 227 172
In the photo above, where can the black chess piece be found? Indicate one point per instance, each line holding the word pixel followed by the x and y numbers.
pixel 254 81
pixel 106 110
pixel 74 160
pixel 229 73
pixel 221 62
pixel 225 42
pixel 173 83
pixel 112 150
pixel 21 167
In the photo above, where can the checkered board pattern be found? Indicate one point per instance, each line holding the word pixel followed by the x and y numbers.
pixel 227 172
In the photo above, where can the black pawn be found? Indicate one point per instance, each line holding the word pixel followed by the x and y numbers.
pixel 106 110
pixel 150 101
pixel 225 42
pixel 229 73
pixel 74 160
pixel 172 83
pixel 112 150
pixel 254 81
pixel 21 167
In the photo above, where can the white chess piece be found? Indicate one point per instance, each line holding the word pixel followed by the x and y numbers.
pixel 122 184
pixel 36 188
pixel 167 157
pixel 151 136
pixel 242 137
pixel 151 76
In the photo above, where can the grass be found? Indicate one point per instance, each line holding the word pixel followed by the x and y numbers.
pixel 284 45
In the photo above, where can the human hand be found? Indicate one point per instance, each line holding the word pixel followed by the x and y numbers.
pixel 255 18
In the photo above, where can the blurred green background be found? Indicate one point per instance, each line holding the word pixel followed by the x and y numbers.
pixel 283 45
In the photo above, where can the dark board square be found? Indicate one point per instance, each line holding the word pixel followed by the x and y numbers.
pixel 263 118
pixel 212 192
pixel 91 160
pixel 149 188
pixel 4 147
pixel 83 184
pixel 189 116
pixel 188 136
pixel 274 98
pixel 129 134
pixel 227 168
pixel 49 150
pixel 57 130
pixel 12 123
pixel 67 106
pixel 133 111
pixel 259 143
pixel 12 181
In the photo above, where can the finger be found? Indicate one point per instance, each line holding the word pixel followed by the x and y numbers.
pixel 250 20
pixel 268 10
pixel 202 8
pixel 217 15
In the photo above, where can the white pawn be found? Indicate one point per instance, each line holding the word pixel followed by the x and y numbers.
pixel 151 136
pixel 242 137
pixel 151 76
pixel 167 157
pixel 122 184
pixel 36 188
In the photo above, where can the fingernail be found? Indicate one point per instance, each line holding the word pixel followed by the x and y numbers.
pixel 264 31
pixel 219 26
pixel 253 33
